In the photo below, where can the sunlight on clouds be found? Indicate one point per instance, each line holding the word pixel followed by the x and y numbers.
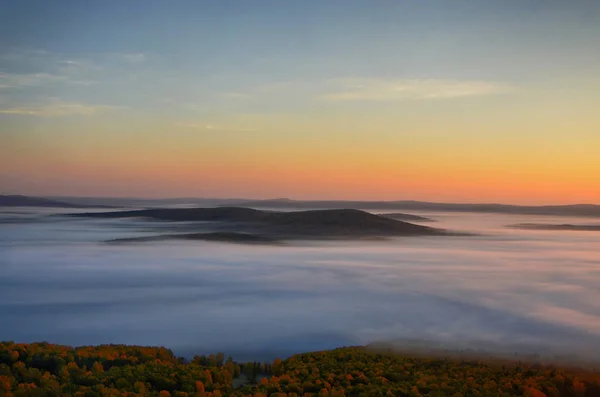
pixel 549 313
pixel 420 89
pixel 212 127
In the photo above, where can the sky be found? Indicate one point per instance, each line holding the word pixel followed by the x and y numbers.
pixel 462 101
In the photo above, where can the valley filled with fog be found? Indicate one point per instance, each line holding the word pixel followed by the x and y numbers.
pixel 506 289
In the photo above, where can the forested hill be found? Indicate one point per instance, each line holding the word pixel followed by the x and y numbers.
pixel 43 369
pixel 324 223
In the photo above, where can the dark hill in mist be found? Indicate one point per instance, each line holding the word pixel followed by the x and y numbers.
pixel 346 221
pixel 270 225
pixel 27 201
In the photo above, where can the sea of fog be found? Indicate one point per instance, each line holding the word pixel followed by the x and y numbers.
pixel 507 290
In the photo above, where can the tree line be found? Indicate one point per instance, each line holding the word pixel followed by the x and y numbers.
pixel 43 369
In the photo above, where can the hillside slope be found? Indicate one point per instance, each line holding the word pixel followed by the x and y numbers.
pixel 325 223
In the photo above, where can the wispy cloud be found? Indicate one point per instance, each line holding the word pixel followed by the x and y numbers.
pixel 134 57
pixel 212 127
pixel 57 109
pixel 236 95
pixel 23 55
pixel 8 80
pixel 270 89
pixel 33 81
pixel 79 66
pixel 85 83
pixel 49 68
pixel 417 89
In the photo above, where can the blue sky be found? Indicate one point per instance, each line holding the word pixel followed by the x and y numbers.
pixel 184 47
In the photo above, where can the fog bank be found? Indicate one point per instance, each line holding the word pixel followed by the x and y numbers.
pixel 509 288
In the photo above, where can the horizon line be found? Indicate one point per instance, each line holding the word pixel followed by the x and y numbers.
pixel 303 200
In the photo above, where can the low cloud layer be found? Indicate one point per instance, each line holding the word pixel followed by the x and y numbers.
pixel 509 289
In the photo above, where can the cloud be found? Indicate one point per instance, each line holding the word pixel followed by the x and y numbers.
pixel 23 57
pixel 568 315
pixel 8 80
pixel 85 83
pixel 211 127
pixel 11 80
pixel 236 95
pixel 23 68
pixel 271 89
pixel 57 109
pixel 134 57
pixel 79 67
pixel 492 295
pixel 415 89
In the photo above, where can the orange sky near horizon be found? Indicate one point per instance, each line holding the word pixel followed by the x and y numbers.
pixel 302 174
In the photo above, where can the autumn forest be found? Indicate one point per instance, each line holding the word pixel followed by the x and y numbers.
pixel 42 369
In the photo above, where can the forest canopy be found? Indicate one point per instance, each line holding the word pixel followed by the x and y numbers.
pixel 43 369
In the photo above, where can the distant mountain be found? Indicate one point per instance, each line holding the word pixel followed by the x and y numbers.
pixel 232 214
pixel 586 210
pixel 272 226
pixel 26 201
pixel 544 226
pixel 560 210
pixel 147 202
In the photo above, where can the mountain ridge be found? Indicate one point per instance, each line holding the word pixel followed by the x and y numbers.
pixel 17 200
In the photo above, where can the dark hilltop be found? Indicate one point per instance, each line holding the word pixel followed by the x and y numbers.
pixel 237 224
